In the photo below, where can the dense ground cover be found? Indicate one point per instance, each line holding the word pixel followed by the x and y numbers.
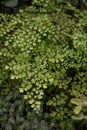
pixel 43 67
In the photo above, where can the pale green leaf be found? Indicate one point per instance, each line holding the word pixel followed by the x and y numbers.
pixel 21 90
pixel 76 101
pixel 77 109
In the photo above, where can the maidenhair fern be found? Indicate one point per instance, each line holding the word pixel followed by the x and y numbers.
pixel 45 57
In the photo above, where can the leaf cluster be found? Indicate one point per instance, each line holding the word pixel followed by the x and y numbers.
pixel 15 113
pixel 44 56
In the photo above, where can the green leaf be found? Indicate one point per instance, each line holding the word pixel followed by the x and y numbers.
pixel 25 97
pixel 6 67
pixel 21 90
pixel 84 103
pixel 77 117
pixel 39 97
pixel 53 114
pixel 12 77
pixel 76 101
pixel 44 86
pixel 31 101
pixel 50 102
pixel 55 82
pixel 38 102
pixel 0 53
pixel 33 105
pixel 51 80
pixel 78 109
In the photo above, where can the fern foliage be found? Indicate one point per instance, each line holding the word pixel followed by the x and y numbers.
pixel 44 56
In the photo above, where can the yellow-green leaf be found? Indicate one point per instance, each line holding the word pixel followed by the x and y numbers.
pixel 77 109
pixel 76 101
